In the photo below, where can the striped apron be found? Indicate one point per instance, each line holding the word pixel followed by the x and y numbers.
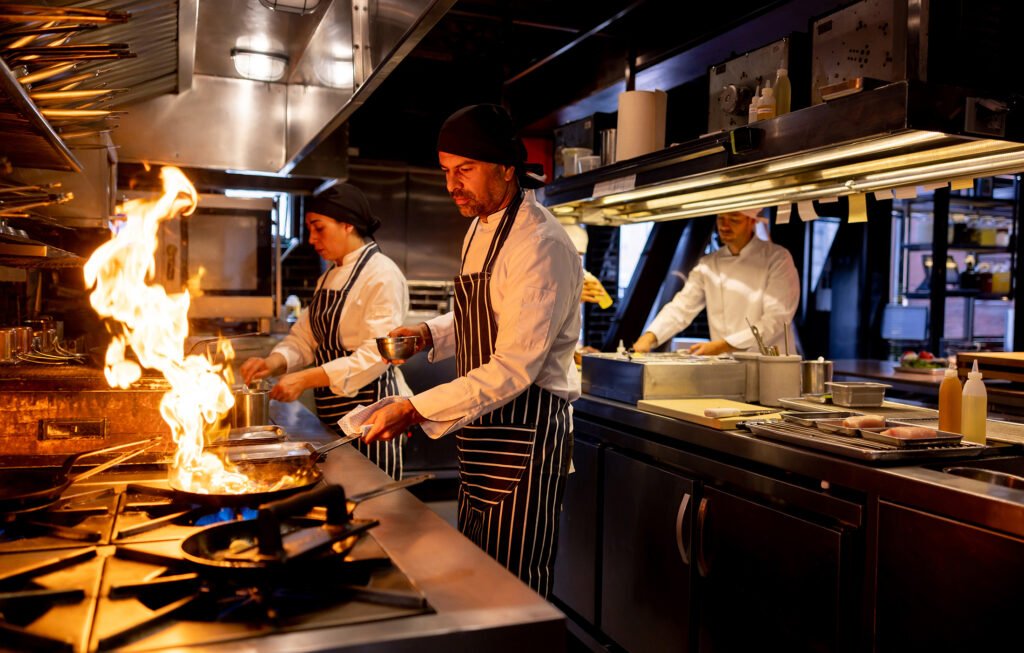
pixel 513 461
pixel 325 313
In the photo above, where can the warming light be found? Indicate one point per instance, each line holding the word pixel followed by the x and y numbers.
pixel 260 66
pixel 301 7
pixel 155 325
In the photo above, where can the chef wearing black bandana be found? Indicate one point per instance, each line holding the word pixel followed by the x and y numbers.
pixel 513 333
pixel 331 349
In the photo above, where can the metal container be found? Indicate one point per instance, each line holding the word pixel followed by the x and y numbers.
pixel 8 342
pixel 662 376
pixel 814 375
pixel 858 393
pixel 778 377
pixel 749 360
pixel 23 339
pixel 252 406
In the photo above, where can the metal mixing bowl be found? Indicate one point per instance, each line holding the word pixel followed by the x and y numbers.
pixel 397 348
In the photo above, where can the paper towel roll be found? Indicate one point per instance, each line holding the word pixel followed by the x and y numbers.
pixel 641 126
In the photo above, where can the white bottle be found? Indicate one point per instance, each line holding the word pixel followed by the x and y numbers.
pixel 974 409
pixel 783 91
pixel 752 109
pixel 766 106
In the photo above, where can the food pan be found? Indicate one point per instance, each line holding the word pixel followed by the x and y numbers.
pixel 941 437
pixel 836 426
pixel 811 418
pixel 857 393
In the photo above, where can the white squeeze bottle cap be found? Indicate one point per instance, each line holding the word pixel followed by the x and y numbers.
pixel 974 373
pixel 951 370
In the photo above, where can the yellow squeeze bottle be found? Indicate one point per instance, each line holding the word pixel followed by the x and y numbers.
pixel 974 407
pixel 604 299
pixel 950 401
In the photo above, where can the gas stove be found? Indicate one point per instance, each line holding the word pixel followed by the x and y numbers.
pixel 103 569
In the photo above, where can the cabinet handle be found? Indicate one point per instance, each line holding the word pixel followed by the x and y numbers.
pixel 680 537
pixel 702 515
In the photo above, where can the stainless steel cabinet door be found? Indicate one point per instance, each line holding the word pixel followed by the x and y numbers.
pixel 647 536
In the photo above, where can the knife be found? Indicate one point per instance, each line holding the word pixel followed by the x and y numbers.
pixel 734 412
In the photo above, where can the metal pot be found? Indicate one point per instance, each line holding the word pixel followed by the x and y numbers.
pixel 23 339
pixel 8 345
pixel 252 405
pixel 815 375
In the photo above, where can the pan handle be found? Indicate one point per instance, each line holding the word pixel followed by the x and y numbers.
pixel 143 446
pixel 389 487
pixel 321 451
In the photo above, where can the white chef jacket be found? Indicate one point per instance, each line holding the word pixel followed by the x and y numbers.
pixel 376 304
pixel 535 290
pixel 759 284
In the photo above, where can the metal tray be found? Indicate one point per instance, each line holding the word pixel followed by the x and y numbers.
pixel 811 418
pixel 836 426
pixel 857 448
pixel 941 437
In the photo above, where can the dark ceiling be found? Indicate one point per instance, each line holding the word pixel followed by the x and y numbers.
pixel 536 57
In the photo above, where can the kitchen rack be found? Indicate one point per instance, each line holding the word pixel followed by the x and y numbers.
pixel 29 140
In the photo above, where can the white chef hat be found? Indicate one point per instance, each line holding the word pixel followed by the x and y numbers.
pixel 578 236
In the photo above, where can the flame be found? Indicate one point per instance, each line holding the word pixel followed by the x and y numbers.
pixel 155 325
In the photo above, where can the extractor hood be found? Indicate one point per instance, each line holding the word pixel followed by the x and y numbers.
pixel 900 135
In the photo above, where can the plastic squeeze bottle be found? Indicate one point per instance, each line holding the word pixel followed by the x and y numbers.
pixel 766 107
pixel 752 109
pixel 950 401
pixel 783 91
pixel 975 407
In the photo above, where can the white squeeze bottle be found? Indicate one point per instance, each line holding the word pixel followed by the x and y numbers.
pixel 752 109
pixel 783 91
pixel 975 407
pixel 766 106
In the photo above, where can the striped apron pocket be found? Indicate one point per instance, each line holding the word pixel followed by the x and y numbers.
pixel 493 460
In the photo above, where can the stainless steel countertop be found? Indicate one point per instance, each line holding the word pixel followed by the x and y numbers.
pixel 479 605
pixel 919 486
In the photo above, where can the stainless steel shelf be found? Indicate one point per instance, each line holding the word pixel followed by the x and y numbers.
pixel 28 139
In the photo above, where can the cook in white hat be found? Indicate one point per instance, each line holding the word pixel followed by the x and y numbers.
pixel 747 279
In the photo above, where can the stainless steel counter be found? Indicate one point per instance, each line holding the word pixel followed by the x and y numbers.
pixel 478 604
pixel 924 486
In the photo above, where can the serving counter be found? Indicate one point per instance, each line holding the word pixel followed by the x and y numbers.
pixel 721 540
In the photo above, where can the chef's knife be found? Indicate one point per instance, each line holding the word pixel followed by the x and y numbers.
pixel 734 412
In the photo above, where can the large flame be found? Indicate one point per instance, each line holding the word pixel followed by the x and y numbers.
pixel 155 326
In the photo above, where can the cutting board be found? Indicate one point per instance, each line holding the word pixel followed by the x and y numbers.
pixel 692 410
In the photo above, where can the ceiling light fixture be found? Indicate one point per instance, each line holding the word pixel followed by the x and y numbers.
pixel 260 66
pixel 301 7
pixel 336 73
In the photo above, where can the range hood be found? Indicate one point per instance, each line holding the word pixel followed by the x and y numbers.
pixel 900 135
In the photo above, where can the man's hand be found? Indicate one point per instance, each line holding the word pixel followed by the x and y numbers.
pixel 421 331
pixel 290 386
pixel 393 420
pixel 713 348
pixel 593 291
pixel 254 369
pixel 645 343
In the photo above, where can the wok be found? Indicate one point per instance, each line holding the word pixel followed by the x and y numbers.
pixel 35 488
pixel 276 469
pixel 282 539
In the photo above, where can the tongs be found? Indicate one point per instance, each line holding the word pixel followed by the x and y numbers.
pixel 757 336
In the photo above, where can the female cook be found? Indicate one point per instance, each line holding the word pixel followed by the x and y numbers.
pixel 361 296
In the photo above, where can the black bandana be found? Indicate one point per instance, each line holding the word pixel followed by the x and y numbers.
pixel 484 132
pixel 345 203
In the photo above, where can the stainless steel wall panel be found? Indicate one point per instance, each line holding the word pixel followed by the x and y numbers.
pixel 434 229
pixel 219 123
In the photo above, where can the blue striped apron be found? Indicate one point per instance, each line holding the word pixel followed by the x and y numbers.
pixel 514 460
pixel 325 316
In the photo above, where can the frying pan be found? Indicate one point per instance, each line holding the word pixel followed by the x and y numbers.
pixel 281 540
pixel 277 469
pixel 27 489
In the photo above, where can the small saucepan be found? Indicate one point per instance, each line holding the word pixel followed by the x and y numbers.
pixel 276 469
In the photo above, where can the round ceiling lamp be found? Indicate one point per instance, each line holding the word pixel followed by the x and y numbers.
pixel 301 7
